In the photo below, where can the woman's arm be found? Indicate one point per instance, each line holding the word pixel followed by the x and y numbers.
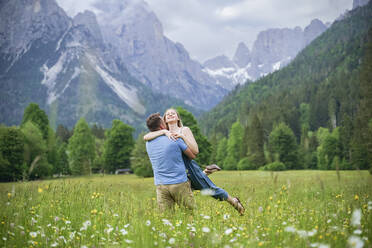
pixel 189 139
pixel 155 134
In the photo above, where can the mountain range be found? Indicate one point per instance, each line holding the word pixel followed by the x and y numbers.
pixel 117 63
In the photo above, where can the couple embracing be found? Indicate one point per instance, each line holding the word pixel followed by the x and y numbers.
pixel 171 148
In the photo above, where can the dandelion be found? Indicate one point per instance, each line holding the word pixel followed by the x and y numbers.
pixel 356 197
pixel 33 234
pixel 94 211
pixel 9 195
pixel 355 218
pixel 355 242
pixel 171 241
pixel 40 190
pixel 206 229
pixel 228 231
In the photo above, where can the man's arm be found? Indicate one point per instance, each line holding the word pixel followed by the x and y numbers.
pixel 189 153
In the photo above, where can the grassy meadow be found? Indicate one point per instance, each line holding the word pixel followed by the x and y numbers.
pixel 283 209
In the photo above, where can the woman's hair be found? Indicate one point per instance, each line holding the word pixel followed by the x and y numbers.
pixel 179 122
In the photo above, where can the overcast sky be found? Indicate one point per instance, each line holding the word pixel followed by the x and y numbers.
pixel 208 28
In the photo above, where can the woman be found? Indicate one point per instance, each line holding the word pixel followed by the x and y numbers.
pixel 199 179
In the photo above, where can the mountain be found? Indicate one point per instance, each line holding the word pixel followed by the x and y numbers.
pixel 66 67
pixel 319 88
pixel 272 50
pixel 136 35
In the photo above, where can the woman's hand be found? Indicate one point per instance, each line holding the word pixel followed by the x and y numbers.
pixel 170 135
pixel 178 135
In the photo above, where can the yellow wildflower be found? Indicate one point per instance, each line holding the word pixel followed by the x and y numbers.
pixel 356 197
pixel 40 190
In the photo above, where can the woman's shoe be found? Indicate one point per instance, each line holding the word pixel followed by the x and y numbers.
pixel 239 206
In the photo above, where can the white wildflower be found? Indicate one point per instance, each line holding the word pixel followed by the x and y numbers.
pixel 166 222
pixel 260 209
pixel 358 232
pixel 115 215
pixel 226 216
pixel 206 217
pixel 290 229
pixel 128 241
pixel 284 223
pixel 228 231
pixel 355 242
pixel 68 222
pixel 126 226
pixel 206 229
pixel 55 244
pixel 312 232
pixel 329 221
pixel 148 222
pixel 4 238
pixel 123 232
pixel 355 218
pixel 33 234
pixel 172 241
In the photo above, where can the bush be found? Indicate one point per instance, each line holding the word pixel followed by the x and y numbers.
pixel 275 166
pixel 246 164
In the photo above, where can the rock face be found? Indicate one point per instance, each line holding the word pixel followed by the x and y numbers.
pixel 66 67
pixel 273 49
pixel 359 3
pixel 112 67
pixel 136 35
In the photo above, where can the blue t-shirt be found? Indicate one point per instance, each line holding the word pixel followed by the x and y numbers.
pixel 166 159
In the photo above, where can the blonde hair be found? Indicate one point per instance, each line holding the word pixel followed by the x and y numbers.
pixel 179 122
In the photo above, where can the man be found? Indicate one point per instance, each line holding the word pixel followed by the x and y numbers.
pixel 170 176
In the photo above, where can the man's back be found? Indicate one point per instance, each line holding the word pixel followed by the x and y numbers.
pixel 166 159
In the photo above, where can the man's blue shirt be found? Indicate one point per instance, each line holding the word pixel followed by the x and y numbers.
pixel 166 159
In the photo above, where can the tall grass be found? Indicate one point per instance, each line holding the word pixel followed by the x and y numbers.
pixel 285 209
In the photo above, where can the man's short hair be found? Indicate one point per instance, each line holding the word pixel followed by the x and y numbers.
pixel 153 122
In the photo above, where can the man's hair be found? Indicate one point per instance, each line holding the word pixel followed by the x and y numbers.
pixel 153 122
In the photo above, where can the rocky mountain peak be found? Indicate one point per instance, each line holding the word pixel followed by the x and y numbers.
pixel 89 21
pixel 242 55
pixel 314 29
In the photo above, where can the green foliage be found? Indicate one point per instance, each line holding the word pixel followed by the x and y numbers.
pixel 81 149
pixel 35 152
pixel 63 133
pixel 205 147
pixel 38 117
pixel 62 165
pixel 254 136
pixel 234 147
pixel 283 143
pixel 329 148
pixel 221 152
pixel 11 150
pixel 274 166
pixel 118 146
pixel 246 164
pixel 140 162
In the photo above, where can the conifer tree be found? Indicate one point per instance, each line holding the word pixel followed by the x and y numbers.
pixel 118 146
pixel 234 146
pixel 81 149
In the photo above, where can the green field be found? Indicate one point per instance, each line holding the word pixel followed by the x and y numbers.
pixel 284 209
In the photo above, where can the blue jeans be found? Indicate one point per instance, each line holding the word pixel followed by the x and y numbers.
pixel 200 181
